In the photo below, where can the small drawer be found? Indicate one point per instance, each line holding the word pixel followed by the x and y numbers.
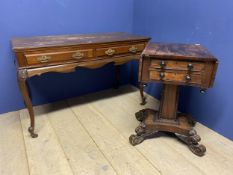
pixel 176 76
pixel 177 65
pixel 117 50
pixel 51 57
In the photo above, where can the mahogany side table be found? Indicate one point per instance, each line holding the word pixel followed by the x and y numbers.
pixel 63 54
pixel 173 65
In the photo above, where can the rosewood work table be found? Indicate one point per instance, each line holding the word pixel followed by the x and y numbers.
pixel 63 54
pixel 173 65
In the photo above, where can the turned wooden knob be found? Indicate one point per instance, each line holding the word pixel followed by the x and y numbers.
pixel 162 64
pixel 188 78
pixel 190 66
pixel 162 75
pixel 203 91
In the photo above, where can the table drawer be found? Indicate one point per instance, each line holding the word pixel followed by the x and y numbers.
pixel 176 76
pixel 117 50
pixel 177 65
pixel 51 57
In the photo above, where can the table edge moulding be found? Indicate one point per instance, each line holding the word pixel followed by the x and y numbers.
pixel 173 65
pixel 65 53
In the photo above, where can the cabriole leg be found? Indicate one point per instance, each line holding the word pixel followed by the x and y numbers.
pixel 22 76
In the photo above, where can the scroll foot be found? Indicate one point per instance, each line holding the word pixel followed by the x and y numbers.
pixel 140 115
pixel 32 133
pixel 192 142
pixel 141 129
pixel 135 140
pixel 198 149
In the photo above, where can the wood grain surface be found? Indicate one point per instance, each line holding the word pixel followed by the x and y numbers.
pixel 69 40
pixel 178 51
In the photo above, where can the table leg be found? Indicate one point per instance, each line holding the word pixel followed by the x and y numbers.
pixel 22 76
pixel 141 87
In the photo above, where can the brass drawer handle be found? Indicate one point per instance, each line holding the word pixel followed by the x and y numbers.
pixel 162 64
pixel 78 55
pixel 133 49
pixel 43 59
pixel 110 52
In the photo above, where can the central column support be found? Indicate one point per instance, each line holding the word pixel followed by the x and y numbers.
pixel 169 102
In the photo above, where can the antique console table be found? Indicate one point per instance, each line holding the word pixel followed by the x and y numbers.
pixel 39 55
pixel 173 65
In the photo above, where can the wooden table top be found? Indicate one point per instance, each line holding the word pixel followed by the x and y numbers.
pixel 194 52
pixel 69 40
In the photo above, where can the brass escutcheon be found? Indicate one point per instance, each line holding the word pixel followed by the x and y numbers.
pixel 78 55
pixel 43 58
pixel 110 52
pixel 133 49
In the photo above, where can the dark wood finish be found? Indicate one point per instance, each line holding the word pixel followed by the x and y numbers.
pixel 22 76
pixel 190 52
pixel 170 63
pixel 39 42
pixel 56 57
pixel 177 65
pixel 63 54
pixel 178 77
pixel 121 49
pixel 141 87
pixel 173 65
pixel 169 102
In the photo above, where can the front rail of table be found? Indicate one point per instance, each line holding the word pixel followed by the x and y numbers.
pixel 173 65
pixel 63 54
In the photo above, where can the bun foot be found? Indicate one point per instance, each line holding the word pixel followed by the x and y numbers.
pixel 135 140
pixel 32 133
pixel 199 150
